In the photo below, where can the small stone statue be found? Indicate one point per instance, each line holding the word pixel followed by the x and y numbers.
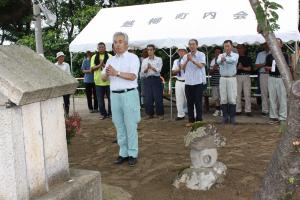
pixel 205 170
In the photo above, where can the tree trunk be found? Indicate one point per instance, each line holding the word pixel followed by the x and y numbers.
pixel 283 171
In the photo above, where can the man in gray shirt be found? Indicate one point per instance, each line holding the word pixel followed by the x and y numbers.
pixel 228 85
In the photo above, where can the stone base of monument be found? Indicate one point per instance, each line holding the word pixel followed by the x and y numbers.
pixel 201 178
pixel 83 185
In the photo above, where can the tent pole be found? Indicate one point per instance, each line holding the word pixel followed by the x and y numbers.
pixel 296 53
pixel 170 82
pixel 73 98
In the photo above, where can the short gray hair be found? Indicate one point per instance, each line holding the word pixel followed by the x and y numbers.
pixel 117 34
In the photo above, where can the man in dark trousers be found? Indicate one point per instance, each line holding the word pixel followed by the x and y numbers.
pixel 195 77
pixel 153 87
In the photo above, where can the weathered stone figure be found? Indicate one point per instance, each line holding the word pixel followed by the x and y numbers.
pixel 205 170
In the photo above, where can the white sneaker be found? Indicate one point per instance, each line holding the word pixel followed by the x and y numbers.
pixel 221 113
pixel 216 113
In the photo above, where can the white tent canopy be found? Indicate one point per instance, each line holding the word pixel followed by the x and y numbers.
pixel 172 24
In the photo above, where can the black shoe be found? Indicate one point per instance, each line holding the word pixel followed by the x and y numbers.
pixel 249 114
pixel 149 117
pixel 265 114
pixel 115 141
pixel 179 118
pixel 102 117
pixel 120 160
pixel 273 121
pixel 238 113
pixel 132 161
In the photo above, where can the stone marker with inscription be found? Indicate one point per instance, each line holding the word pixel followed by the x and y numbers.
pixel 33 149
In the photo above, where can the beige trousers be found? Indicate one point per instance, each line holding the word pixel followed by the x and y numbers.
pixel 228 90
pixel 263 81
pixel 277 95
pixel 243 86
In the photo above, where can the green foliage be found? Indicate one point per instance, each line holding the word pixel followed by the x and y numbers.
pixel 82 17
pixel 266 15
pixel 3 3
pixel 198 124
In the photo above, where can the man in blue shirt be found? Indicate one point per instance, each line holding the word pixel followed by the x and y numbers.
pixel 228 85
pixel 90 89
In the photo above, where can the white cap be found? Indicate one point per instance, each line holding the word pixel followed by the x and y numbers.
pixel 181 47
pixel 60 54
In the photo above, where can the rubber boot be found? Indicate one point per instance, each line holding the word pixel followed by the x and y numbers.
pixel 232 111
pixel 225 111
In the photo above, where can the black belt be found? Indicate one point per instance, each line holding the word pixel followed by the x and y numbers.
pixel 228 76
pixel 180 80
pixel 275 76
pixel 122 91
pixel 243 74
pixel 152 76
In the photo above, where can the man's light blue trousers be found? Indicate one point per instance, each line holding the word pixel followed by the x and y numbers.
pixel 126 115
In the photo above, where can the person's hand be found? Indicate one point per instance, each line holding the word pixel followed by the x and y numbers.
pixel 267 69
pixel 110 71
pixel 240 66
pixel 149 66
pixel 189 57
pixel 216 67
pixel 223 58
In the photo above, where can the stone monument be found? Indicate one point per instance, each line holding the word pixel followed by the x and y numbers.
pixel 33 149
pixel 205 170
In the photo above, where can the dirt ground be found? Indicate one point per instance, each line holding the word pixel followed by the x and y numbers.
pixel 162 155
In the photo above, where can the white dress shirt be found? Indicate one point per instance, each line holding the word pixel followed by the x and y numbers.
pixel 193 74
pixel 64 66
pixel 156 62
pixel 127 63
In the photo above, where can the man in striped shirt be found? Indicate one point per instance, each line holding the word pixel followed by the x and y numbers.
pixel 214 71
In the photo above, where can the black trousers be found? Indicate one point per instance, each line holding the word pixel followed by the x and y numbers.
pixel 66 103
pixel 153 90
pixel 90 92
pixel 194 95
pixel 101 92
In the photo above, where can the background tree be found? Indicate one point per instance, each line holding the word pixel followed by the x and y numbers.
pixel 283 172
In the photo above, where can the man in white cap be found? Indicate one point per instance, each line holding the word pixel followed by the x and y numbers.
pixel 60 57
pixel 180 84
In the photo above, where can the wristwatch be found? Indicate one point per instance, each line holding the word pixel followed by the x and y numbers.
pixel 118 74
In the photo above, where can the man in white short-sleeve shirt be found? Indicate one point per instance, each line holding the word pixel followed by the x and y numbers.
pixel 122 72
pixel 195 77
pixel 180 84
pixel 60 56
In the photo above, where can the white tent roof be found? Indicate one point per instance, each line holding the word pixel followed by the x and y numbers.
pixel 174 23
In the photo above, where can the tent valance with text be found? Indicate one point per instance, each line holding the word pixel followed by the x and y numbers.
pixel 172 24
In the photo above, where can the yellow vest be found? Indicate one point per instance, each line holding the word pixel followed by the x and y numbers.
pixel 97 74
